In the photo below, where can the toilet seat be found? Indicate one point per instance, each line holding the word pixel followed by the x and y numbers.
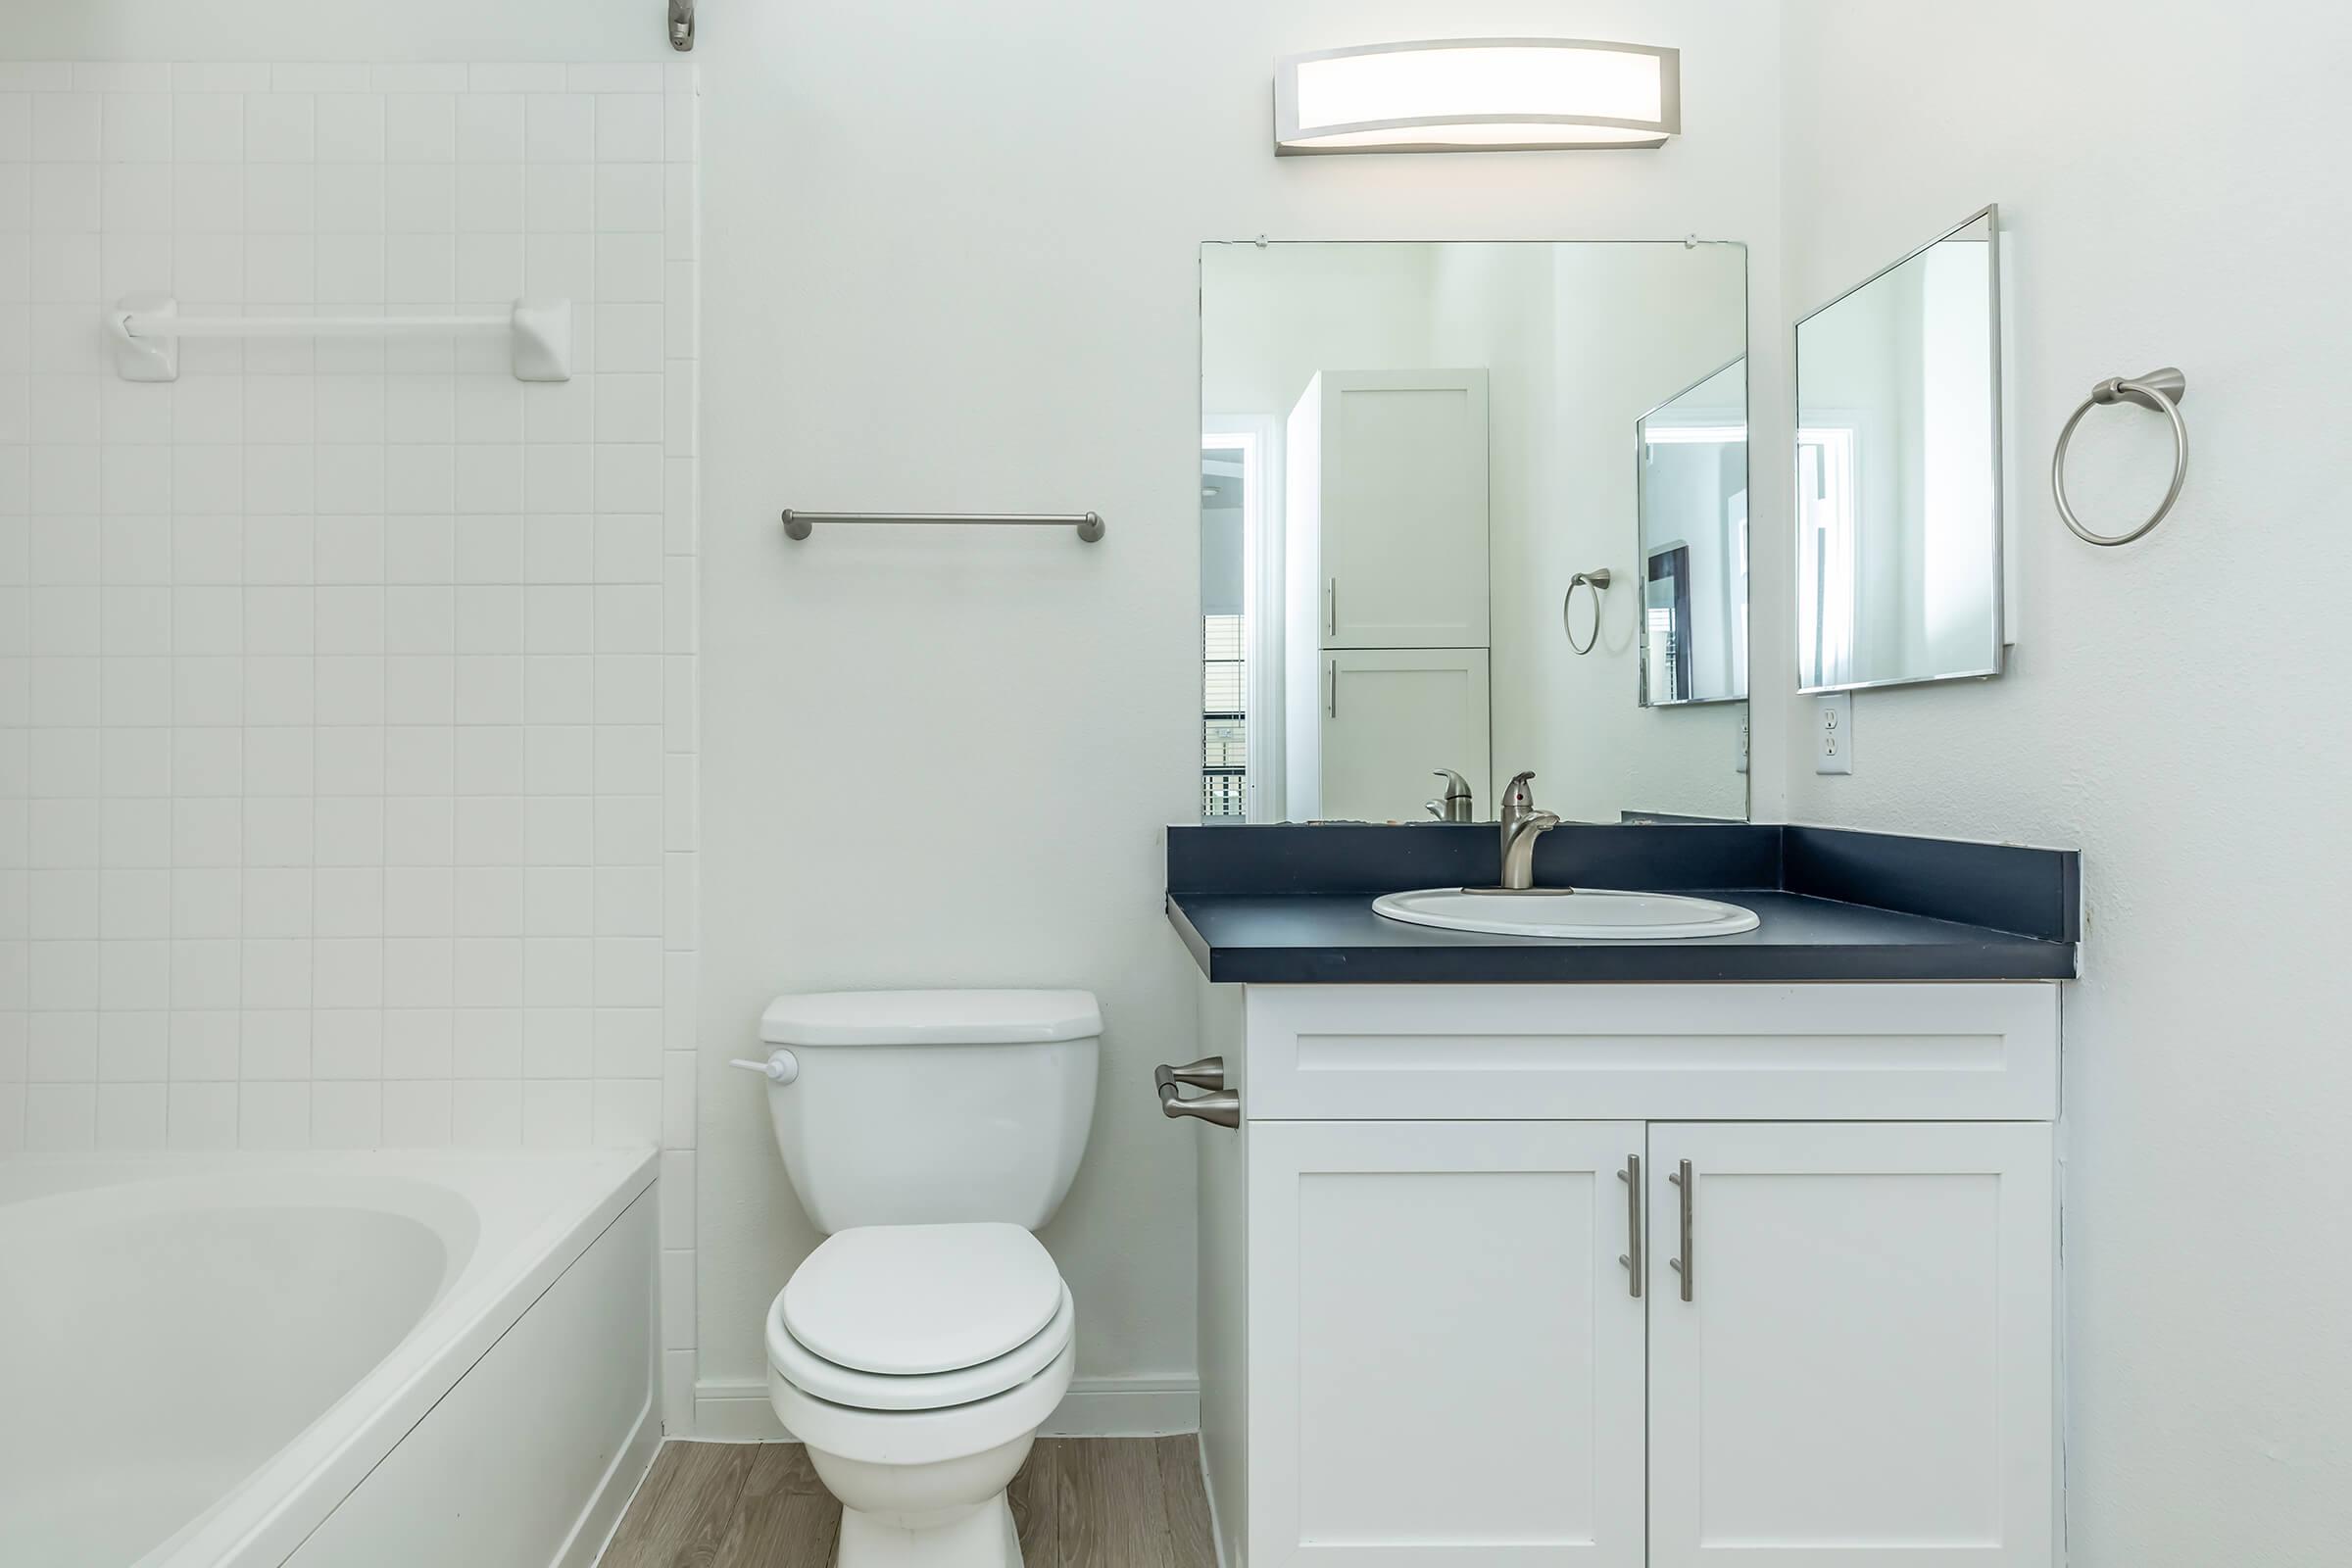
pixel 905 1301
pixel 919 1317
pixel 851 1389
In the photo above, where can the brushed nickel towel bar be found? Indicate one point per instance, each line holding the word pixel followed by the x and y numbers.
pixel 800 525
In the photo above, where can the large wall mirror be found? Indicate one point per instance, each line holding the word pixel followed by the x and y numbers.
pixel 1898 471
pixel 1416 460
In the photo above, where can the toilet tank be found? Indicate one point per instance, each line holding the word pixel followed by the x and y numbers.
pixel 914 1108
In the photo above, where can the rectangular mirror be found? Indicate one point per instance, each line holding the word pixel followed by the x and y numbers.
pixel 1409 452
pixel 1899 472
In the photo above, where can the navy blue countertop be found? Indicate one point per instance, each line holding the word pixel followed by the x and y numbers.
pixel 1284 909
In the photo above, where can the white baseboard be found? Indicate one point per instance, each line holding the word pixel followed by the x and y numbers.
pixel 734 1411
pixel 1126 1407
pixel 737 1410
pixel 1209 1491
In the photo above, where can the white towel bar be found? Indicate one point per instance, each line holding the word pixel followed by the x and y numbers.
pixel 146 329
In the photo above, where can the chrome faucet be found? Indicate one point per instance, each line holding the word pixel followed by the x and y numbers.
pixel 1522 826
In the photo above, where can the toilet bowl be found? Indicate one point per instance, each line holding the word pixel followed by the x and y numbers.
pixel 912 1361
pixel 919 1348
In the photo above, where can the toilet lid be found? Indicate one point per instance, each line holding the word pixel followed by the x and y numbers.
pixel 814 1375
pixel 908 1300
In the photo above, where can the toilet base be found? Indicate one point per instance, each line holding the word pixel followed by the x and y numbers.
pixel 983 1537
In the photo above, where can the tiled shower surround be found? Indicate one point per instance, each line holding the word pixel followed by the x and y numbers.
pixel 347 717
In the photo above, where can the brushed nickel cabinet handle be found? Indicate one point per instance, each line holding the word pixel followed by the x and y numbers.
pixel 1682 1265
pixel 1331 608
pixel 1332 706
pixel 1631 1258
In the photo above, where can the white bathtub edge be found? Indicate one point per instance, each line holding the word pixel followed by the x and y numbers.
pixel 601 1519
pixel 303 1501
pixel 536 1401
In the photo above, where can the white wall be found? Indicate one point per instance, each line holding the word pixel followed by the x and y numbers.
pixel 2172 176
pixel 1275 316
pixel 336 712
pixel 951 262
pixel 375 825
pixel 1018 326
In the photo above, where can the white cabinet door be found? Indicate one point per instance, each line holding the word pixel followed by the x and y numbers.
pixel 1403 509
pixel 1862 1376
pixel 1391 719
pixel 1446 1356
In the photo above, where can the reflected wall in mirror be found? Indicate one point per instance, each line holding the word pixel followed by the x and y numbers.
pixel 1899 472
pixel 1407 451
pixel 1692 478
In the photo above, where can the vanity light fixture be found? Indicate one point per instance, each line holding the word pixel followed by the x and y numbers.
pixel 1477 95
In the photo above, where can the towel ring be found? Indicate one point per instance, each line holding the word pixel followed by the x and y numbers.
pixel 1596 579
pixel 2159 390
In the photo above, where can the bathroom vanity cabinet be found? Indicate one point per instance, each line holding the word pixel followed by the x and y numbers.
pixel 1624 1275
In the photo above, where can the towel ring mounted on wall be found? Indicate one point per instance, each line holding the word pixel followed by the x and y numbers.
pixel 1596 579
pixel 2158 390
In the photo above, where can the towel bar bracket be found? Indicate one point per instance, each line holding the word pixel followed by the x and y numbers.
pixel 144 359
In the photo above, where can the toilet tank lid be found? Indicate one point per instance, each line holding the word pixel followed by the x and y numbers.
pixel 929 1017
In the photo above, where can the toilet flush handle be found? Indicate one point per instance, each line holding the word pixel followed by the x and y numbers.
pixel 781 1067
pixel 1218 1109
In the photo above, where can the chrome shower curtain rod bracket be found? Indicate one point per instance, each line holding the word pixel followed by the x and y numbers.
pixel 681 24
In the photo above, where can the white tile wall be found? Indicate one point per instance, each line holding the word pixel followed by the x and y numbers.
pixel 346 695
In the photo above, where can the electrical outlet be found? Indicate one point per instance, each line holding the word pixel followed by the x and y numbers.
pixel 1834 733
pixel 1743 762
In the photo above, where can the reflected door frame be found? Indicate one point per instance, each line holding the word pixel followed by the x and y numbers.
pixel 1698 425
pixel 1259 438
pixel 1841 443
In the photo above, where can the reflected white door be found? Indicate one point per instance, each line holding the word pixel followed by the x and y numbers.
pixel 1403 509
pixel 1391 719
pixel 1445 1358
pixel 1863 1375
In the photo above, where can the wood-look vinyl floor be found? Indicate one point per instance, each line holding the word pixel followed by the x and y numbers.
pixel 1102 1503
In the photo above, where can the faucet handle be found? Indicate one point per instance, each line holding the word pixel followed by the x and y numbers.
pixel 1458 799
pixel 1516 796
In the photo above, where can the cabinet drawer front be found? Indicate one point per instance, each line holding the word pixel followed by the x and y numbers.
pixel 1944 1053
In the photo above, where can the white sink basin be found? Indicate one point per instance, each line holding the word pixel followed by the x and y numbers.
pixel 1584 915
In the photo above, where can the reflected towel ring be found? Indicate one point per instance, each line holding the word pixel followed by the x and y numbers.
pixel 2160 390
pixel 1596 579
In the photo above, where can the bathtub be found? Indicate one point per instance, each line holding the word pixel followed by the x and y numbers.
pixel 322 1360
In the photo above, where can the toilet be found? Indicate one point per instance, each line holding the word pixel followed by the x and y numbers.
pixel 919 1348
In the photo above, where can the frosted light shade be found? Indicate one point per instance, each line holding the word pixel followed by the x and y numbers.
pixel 1467 94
